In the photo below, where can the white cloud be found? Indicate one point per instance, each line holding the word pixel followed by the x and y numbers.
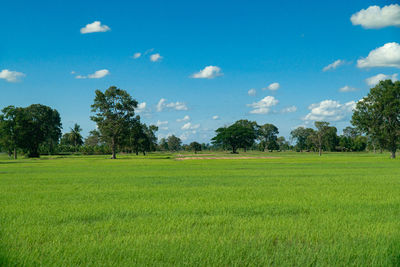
pixel 11 76
pixel 208 72
pixel 141 107
pixel 264 105
pixel 273 87
pixel 333 65
pixel 374 80
pixel 155 57
pixel 96 75
pixel 162 125
pixel 137 55
pixel 190 126
pixel 162 104
pixel 252 92
pixel 384 56
pixel 329 110
pixel 215 117
pixel 347 88
pixel 95 27
pixel 290 109
pixel 186 118
pixel 375 17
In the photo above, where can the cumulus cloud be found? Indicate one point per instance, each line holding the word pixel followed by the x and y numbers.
pixel 384 56
pixel 11 76
pixel 347 88
pixel 95 27
pixel 329 110
pixel 96 75
pixel 186 118
pixel 375 17
pixel 162 125
pixel 273 87
pixel 137 55
pixel 208 72
pixel 215 117
pixel 190 126
pixel 141 107
pixel 252 92
pixel 374 80
pixel 333 65
pixel 290 109
pixel 162 104
pixel 155 57
pixel 264 105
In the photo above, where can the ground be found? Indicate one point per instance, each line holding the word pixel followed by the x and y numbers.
pixel 292 209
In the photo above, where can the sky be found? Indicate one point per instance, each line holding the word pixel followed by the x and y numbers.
pixel 196 66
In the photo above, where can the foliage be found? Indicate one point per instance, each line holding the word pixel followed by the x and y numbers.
pixel 115 110
pixel 378 115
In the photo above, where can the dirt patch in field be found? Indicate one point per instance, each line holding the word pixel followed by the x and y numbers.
pixel 186 158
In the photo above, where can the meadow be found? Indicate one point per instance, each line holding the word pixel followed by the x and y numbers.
pixel 297 209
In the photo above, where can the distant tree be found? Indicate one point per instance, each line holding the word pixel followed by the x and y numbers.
pixel 115 110
pixel 319 137
pixel 163 144
pixel 147 140
pixel 302 136
pixel 93 139
pixel 238 135
pixel 268 135
pixel 195 147
pixel 378 115
pixel 12 122
pixel 174 143
pixel 43 126
pixel 283 145
pixel 75 136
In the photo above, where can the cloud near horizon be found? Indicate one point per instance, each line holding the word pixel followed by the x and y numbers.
pixel 162 104
pixel 374 80
pixel 329 110
pixel 264 105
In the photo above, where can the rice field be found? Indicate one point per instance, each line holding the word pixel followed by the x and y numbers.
pixel 267 209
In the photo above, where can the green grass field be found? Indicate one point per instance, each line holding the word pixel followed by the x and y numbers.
pixel 296 210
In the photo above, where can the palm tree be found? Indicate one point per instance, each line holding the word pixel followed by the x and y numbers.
pixel 75 136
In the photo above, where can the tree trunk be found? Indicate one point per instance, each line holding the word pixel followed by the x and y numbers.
pixel 234 150
pixel 393 155
pixel 113 148
pixel 320 151
pixel 144 153
pixel 15 153
pixel 137 152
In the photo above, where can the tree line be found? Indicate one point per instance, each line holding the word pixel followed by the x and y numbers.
pixel 36 129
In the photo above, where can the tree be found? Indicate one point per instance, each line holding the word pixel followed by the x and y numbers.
pixel 42 127
pixel 93 139
pixel 282 143
pixel 75 136
pixel 195 147
pixel 302 136
pixel 11 129
pixel 378 115
pixel 115 110
pixel 174 143
pixel 268 135
pixel 319 136
pixel 163 144
pixel 239 135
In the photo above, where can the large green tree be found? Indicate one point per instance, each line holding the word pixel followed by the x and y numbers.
pixel 378 115
pixel 321 135
pixel 241 134
pixel 195 146
pixel 115 110
pixel 12 122
pixel 174 143
pixel 268 135
pixel 302 137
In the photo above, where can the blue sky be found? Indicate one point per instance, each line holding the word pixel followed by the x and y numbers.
pixel 246 45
